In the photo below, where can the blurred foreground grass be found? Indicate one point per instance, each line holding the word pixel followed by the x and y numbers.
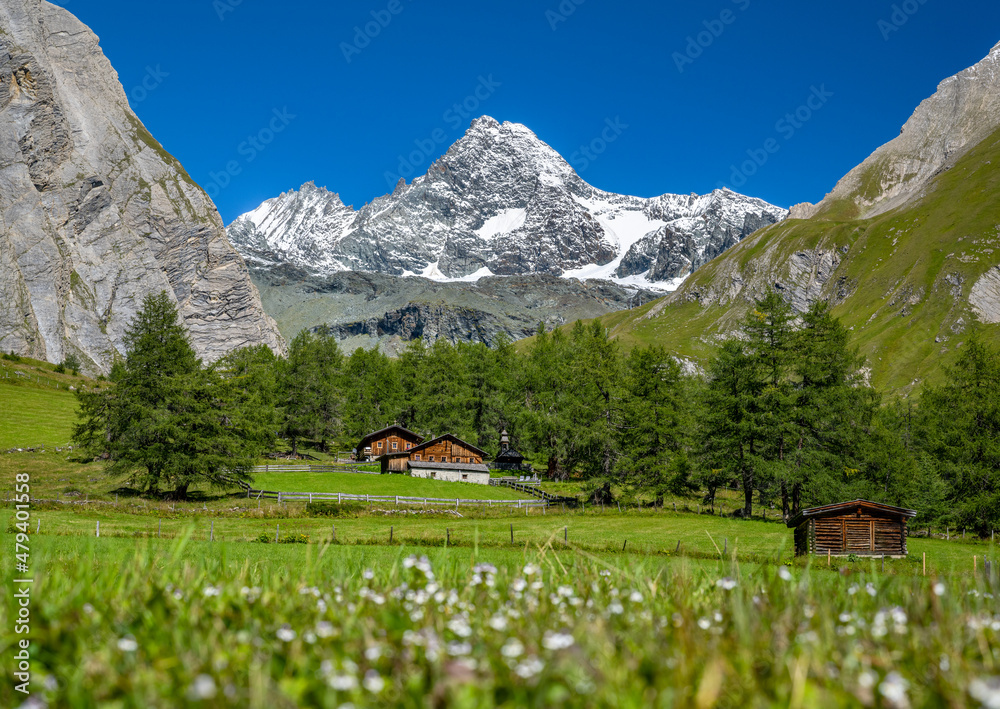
pixel 126 623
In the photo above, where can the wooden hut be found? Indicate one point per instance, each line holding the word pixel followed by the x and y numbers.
pixel 860 527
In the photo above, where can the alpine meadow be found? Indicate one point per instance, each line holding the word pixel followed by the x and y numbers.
pixel 555 417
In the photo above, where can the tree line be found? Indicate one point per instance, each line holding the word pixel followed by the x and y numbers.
pixel 781 412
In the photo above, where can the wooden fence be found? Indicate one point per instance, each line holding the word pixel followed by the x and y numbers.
pixel 314 468
pixel 397 500
pixel 530 489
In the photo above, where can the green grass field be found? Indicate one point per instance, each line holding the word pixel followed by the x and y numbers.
pixel 361 484
pixel 32 417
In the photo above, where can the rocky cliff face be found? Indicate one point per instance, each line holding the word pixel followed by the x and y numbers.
pixel 95 213
pixel 961 114
pixel 500 202
pixel 378 310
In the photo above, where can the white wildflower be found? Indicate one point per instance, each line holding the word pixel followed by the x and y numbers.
pixel 210 591
pixel 986 691
pixel 343 682
pixel 530 570
pixel 458 649
pixel 635 597
pixel 939 589
pixel 512 648
pixel 704 623
pixel 784 573
pixel 557 641
pixel 324 629
pixel 726 584
pixel 285 634
pixel 893 688
pixel 128 644
pixel 203 687
pixel 460 626
pixel 867 679
pixel 373 682
pixel 369 574
pixel 498 623
pixel 529 668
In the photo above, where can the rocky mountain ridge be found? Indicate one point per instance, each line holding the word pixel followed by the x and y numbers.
pixel 963 112
pixel 905 248
pixel 378 310
pixel 95 213
pixel 500 202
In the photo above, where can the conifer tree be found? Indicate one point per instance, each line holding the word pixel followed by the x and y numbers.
pixel 167 421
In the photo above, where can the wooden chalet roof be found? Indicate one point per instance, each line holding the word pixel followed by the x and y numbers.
pixel 846 507
pixel 509 454
pixel 470 467
pixel 453 439
pixel 403 433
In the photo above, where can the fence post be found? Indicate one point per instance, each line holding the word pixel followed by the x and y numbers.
pixel 397 500
pixel 447 537
pixel 512 534
pixel 98 527
pixel 565 535
pixel 390 535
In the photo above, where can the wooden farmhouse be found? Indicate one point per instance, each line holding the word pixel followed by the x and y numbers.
pixel 859 527
pixel 446 457
pixel 390 440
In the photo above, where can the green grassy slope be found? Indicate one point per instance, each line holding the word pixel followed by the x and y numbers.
pixel 37 407
pixel 902 286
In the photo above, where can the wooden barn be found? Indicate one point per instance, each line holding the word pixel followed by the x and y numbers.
pixel 860 527
pixel 390 440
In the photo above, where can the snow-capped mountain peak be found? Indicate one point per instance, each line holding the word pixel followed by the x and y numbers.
pixel 501 201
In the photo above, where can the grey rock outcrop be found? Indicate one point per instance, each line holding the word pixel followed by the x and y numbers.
pixel 95 214
pixel 985 296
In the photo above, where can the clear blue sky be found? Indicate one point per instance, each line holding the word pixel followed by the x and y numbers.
pixel 217 71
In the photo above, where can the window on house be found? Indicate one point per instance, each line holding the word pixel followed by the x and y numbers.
pixel 395 445
pixel 465 477
pixel 444 459
pixel 430 458
pixel 380 445
pixel 416 457
pixel 409 446
pixel 434 475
